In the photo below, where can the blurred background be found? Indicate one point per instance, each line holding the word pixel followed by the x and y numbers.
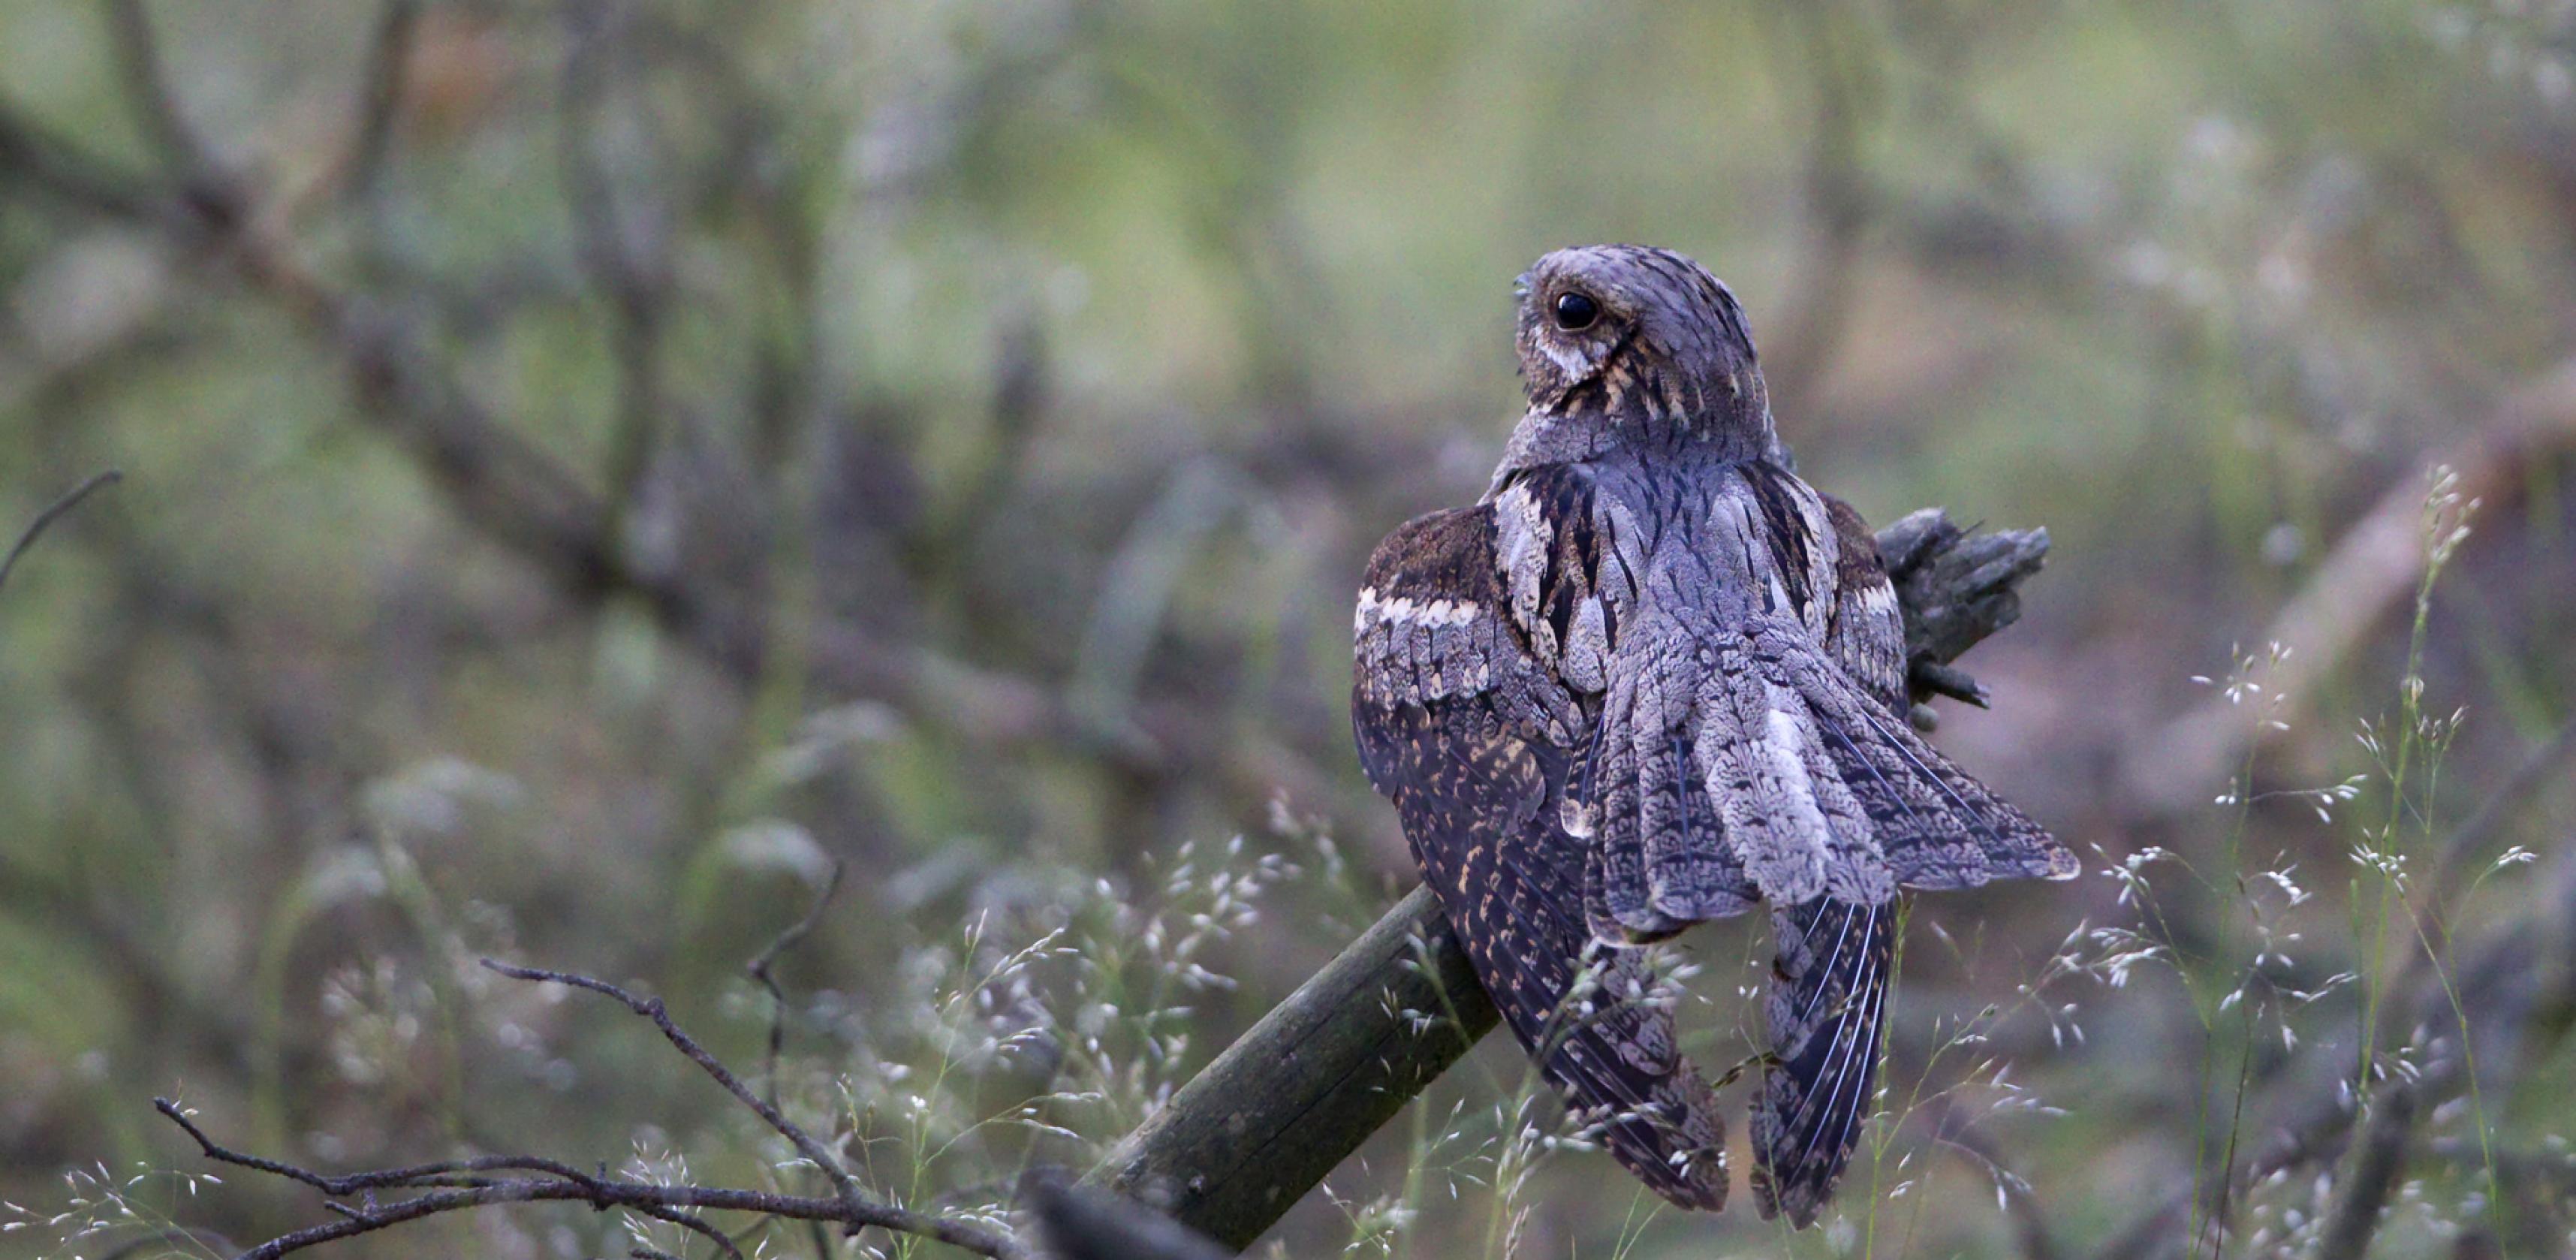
pixel 590 467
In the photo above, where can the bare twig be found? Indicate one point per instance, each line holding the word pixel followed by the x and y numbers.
pixel 54 512
pixel 359 1183
pixel 698 1225
pixel 636 1196
pixel 652 1009
pixel 454 1185
pixel 761 965
pixel 760 969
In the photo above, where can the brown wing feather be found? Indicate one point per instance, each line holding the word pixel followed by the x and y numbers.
pixel 1867 634
pixel 1477 776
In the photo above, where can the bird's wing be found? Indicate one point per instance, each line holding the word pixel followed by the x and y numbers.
pixel 1938 827
pixel 1469 732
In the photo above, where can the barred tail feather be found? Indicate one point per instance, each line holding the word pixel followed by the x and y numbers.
pixel 1827 1008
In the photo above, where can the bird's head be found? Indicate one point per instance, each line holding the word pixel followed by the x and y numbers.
pixel 1632 335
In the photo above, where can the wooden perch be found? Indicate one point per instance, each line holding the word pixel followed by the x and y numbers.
pixel 1285 1104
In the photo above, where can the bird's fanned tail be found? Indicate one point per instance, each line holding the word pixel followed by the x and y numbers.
pixel 1827 1006
pixel 1773 776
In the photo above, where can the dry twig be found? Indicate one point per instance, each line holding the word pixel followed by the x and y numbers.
pixel 453 1185
pixel 53 512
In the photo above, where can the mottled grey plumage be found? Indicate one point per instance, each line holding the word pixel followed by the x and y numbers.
pixel 1653 678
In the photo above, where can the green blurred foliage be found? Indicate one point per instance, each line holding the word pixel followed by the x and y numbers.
pixel 1081 350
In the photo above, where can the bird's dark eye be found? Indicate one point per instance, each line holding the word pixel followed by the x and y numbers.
pixel 1575 311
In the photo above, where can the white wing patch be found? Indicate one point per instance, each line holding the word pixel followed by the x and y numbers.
pixel 1413 651
pixel 1404 610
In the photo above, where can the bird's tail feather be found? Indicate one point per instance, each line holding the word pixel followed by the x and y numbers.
pixel 1938 826
pixel 1827 1007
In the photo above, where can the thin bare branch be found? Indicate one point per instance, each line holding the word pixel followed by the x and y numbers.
pixel 696 1224
pixel 761 968
pixel 652 1009
pixel 762 964
pixel 454 1185
pixel 358 1183
pixel 637 1196
pixel 52 513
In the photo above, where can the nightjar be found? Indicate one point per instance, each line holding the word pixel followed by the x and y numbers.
pixel 1653 678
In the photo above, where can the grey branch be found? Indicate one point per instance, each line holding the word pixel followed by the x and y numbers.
pixel 1281 1107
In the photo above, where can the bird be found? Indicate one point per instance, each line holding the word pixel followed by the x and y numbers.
pixel 1653 678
